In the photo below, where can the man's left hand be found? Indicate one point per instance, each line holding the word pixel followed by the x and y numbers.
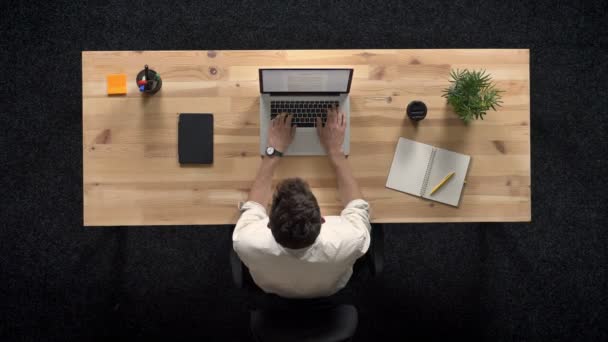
pixel 281 132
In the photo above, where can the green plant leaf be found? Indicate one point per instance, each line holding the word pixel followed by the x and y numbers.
pixel 471 94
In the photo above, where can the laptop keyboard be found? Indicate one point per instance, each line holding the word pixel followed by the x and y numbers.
pixel 304 113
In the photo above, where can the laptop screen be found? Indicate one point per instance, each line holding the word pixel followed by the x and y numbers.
pixel 305 80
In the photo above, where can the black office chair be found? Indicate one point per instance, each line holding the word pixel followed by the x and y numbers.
pixel 299 320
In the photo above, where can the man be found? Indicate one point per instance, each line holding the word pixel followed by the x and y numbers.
pixel 295 252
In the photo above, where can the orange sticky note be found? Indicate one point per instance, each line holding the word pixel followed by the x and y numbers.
pixel 117 84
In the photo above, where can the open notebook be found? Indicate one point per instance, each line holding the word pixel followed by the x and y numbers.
pixel 418 167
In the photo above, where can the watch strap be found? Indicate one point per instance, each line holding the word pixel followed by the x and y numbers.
pixel 275 152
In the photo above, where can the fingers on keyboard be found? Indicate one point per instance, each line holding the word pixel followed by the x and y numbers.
pixel 305 112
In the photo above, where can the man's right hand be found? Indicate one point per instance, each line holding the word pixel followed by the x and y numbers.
pixel 332 135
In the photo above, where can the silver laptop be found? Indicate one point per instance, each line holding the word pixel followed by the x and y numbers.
pixel 306 94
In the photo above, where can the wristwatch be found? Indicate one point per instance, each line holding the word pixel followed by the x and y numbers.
pixel 271 152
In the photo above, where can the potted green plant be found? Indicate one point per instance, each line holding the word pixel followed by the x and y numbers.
pixel 472 94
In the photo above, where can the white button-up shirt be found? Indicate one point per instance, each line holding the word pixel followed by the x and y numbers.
pixel 316 271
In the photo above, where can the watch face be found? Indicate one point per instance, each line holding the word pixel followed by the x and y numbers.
pixel 270 151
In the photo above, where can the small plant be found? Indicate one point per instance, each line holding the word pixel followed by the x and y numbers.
pixel 471 94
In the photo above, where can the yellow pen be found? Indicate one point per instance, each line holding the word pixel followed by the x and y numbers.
pixel 443 181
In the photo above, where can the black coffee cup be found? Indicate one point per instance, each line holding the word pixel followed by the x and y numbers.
pixel 416 110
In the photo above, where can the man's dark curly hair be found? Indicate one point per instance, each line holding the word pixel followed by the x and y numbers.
pixel 295 217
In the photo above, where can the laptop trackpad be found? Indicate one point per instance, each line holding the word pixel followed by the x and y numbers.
pixel 306 142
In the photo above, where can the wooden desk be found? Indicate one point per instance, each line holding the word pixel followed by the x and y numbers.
pixel 132 177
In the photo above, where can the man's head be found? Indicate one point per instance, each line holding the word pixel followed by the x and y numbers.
pixel 295 217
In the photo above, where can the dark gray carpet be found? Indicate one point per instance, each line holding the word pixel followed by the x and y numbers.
pixel 540 281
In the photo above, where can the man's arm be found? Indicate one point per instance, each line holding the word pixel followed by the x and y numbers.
pixel 332 138
pixel 261 190
pixel 280 135
pixel 347 185
pixel 356 210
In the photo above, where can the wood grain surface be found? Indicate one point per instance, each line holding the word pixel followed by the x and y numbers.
pixel 131 174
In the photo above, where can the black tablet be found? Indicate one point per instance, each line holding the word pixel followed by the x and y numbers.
pixel 195 138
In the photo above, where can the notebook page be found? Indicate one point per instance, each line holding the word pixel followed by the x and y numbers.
pixel 444 163
pixel 409 166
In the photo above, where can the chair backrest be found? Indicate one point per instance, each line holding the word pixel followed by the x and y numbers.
pixel 327 324
pixel 300 323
